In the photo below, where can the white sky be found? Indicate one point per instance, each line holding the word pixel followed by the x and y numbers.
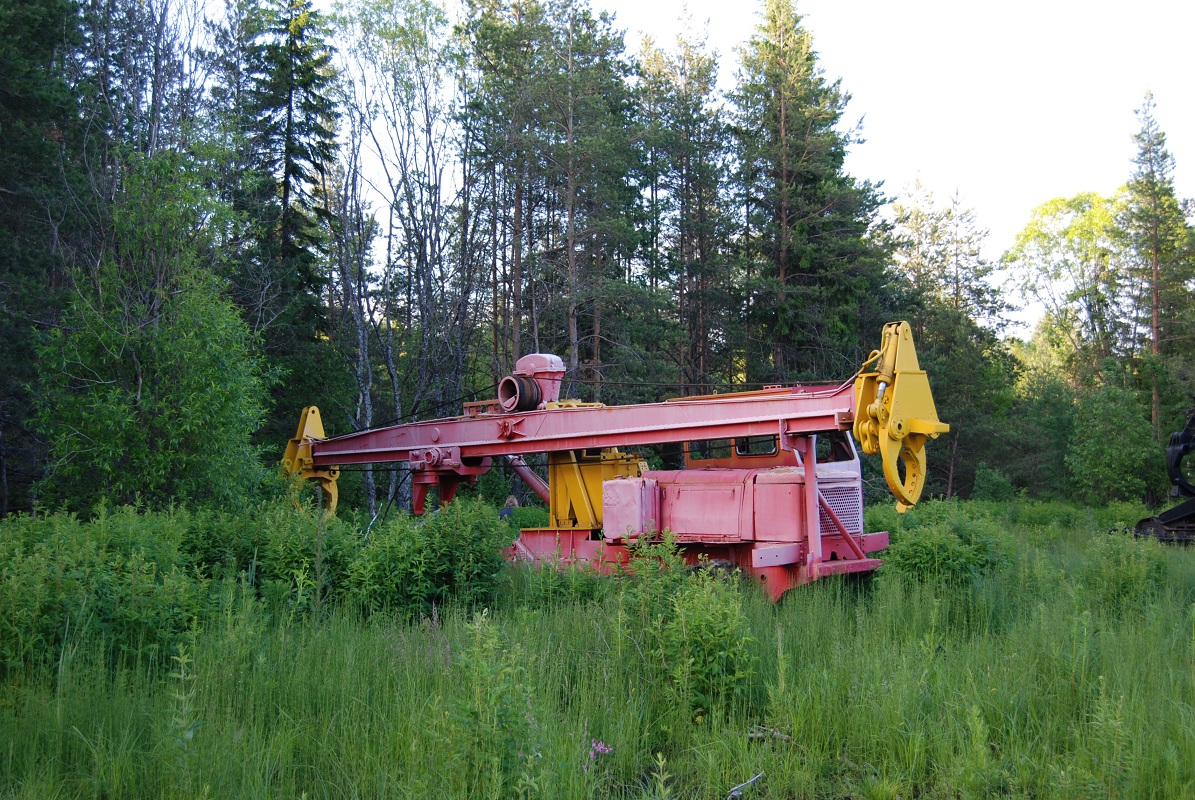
pixel 1010 103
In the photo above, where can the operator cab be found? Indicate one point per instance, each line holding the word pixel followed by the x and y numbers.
pixel 761 452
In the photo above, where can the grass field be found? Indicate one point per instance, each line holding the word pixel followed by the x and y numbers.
pixel 1016 650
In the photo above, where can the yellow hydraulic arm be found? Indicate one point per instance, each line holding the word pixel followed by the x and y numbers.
pixel 298 461
pixel 895 414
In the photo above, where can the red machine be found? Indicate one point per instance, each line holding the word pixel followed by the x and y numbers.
pixel 772 480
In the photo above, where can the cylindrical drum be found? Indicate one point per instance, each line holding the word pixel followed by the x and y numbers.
pixel 518 394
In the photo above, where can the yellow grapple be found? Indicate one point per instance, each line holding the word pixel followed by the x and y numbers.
pixel 895 413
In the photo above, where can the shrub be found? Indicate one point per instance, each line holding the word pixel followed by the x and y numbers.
pixel 703 646
pixel 411 563
pixel 1113 455
pixel 688 624
pixel 941 543
pixel 494 742
pixel 992 484
pixel 1122 571
pixel 221 543
pixel 528 517
pixel 302 547
pixel 152 385
pixel 548 584
pixel 122 576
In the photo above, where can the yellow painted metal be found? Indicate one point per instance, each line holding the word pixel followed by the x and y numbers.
pixel 573 404
pixel 895 413
pixel 575 481
pixel 298 461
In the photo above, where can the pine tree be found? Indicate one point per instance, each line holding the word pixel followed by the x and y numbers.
pixel 957 313
pixel 39 136
pixel 293 139
pixel 510 53
pixel 1157 230
pixel 686 178
pixel 939 249
pixel 816 275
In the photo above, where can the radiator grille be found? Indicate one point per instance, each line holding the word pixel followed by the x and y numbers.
pixel 847 502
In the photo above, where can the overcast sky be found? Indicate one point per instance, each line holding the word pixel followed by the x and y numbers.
pixel 1010 103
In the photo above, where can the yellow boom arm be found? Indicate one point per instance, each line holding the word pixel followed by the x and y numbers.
pixel 895 414
pixel 298 461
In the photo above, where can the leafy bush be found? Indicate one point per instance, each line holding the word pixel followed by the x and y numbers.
pixel 992 484
pixel 1120 515
pixel 494 741
pixel 542 585
pixel 411 563
pixel 939 542
pixel 152 386
pixel 655 572
pixel 223 544
pixel 1047 513
pixel 528 517
pixel 688 624
pixel 302 547
pixel 1113 455
pixel 122 576
pixel 703 645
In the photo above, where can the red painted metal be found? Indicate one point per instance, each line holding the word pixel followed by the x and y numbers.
pixel 767 505
pixel 524 471
pixel 788 412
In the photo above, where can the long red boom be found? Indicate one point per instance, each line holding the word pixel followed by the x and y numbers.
pixel 788 412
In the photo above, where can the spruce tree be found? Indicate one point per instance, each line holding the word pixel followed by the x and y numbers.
pixel 273 114
pixel 295 143
pixel 686 180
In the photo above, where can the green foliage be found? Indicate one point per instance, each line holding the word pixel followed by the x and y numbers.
pixel 703 646
pixel 1069 258
pixel 548 585
pixel 655 572
pixel 1113 455
pixel 1122 571
pixel 38 117
pixel 1042 420
pixel 304 557
pixel 512 703
pixel 972 375
pixel 942 544
pixel 690 627
pixel 412 564
pixel 807 218
pixel 151 386
pixel 528 517
pixel 123 577
pixel 992 484
pixel 494 738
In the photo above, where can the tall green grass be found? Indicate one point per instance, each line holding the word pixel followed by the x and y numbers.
pixel 1062 667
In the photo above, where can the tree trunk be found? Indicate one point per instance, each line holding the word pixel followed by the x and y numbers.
pixel 950 465
pixel 571 234
pixel 1155 406
pixel 516 270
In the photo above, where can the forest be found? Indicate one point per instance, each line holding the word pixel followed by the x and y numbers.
pixel 211 217
pixel 213 214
